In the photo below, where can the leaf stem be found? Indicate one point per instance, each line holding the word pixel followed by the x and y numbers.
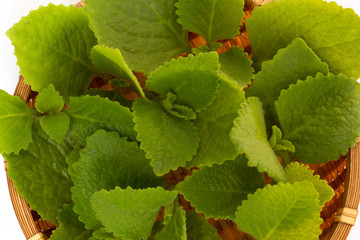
pixel 286 157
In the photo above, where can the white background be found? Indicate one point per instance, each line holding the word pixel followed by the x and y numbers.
pixel 10 12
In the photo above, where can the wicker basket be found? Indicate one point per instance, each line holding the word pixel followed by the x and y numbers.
pixel 343 175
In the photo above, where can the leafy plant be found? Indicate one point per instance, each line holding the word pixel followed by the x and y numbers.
pixel 93 160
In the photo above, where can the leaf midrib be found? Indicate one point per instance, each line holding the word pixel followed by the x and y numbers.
pixel 211 22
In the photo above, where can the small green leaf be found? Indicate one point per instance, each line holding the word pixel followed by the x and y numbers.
pixel 249 137
pixel 175 229
pixel 110 60
pixel 215 123
pixel 198 228
pixel 130 213
pixel 15 123
pixel 55 125
pixel 194 80
pixel 277 24
pixel 214 20
pixel 49 100
pixel 32 171
pixel 278 144
pixel 90 113
pixel 167 140
pixel 102 234
pixel 175 109
pixel 320 116
pixel 108 161
pixel 145 31
pixel 52 45
pixel 282 211
pixel 295 62
pixel 236 66
pixel 296 172
pixel 218 190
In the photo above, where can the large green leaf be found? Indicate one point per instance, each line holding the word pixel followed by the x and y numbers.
pixel 249 137
pixel 90 113
pixel 295 62
pixel 167 140
pixel 15 123
pixel 110 60
pixel 145 31
pixel 198 228
pixel 320 116
pixel 130 213
pixel 49 100
pixel 52 45
pixel 218 190
pixel 281 212
pixel 331 31
pixel 194 80
pixel 236 66
pixel 296 172
pixel 108 161
pixel 55 125
pixel 40 174
pixel 175 229
pixel 70 227
pixel 215 123
pixel 212 19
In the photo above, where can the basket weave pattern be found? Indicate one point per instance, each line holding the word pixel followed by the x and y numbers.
pixel 338 214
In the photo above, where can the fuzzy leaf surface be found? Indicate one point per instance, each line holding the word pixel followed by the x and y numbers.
pixel 198 228
pixel 175 229
pixel 63 41
pixel 145 31
pixel 15 123
pixel 277 24
pixel 236 66
pixel 295 62
pixel 108 161
pixel 218 190
pixel 320 116
pixel 296 172
pixel 49 100
pixel 55 125
pixel 249 137
pixel 90 113
pixel 214 20
pixel 110 60
pixel 194 80
pixel 214 125
pixel 49 156
pixel 130 213
pixel 282 211
pixel 167 140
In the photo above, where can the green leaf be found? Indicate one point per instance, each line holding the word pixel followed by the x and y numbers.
pixel 114 95
pixel 215 123
pixel 102 234
pixel 175 229
pixel 110 60
pixel 108 161
pixel 52 45
pixel 70 227
pixel 175 109
pixel 49 100
pixel 249 137
pixel 282 211
pixel 145 31
pixel 278 144
pixel 194 80
pixel 55 125
pixel 214 20
pixel 15 123
pixel 296 172
pixel 167 140
pixel 236 66
pixel 90 113
pixel 198 228
pixel 72 158
pixel 34 169
pixel 277 24
pixel 295 62
pixel 130 213
pixel 320 116
pixel 218 190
